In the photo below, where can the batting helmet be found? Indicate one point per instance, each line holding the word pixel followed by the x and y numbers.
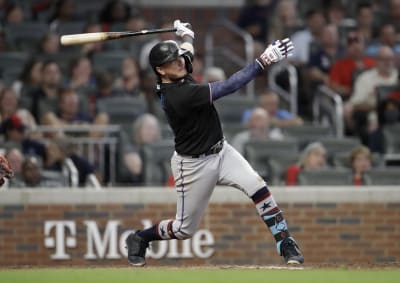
pixel 167 51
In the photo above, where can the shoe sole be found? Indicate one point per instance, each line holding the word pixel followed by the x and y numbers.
pixel 293 262
pixel 137 264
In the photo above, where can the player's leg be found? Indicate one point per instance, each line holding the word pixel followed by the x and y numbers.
pixel 237 172
pixel 195 179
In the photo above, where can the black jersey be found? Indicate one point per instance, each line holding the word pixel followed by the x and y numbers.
pixel 191 115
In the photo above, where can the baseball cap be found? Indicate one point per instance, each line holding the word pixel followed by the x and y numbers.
pixel 14 122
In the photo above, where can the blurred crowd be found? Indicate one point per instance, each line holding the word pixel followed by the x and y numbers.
pixel 353 47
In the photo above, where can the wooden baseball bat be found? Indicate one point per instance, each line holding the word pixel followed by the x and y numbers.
pixel 82 38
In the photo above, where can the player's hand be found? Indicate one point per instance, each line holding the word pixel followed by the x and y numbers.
pixel 5 170
pixel 183 29
pixel 277 51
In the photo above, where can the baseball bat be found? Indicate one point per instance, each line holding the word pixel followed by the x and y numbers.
pixel 82 38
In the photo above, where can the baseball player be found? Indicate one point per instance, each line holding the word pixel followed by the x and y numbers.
pixel 202 157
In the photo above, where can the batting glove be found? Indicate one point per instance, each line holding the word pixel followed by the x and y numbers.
pixel 277 51
pixel 5 170
pixel 183 29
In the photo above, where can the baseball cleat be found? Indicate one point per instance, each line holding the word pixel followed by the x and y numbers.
pixel 136 246
pixel 291 252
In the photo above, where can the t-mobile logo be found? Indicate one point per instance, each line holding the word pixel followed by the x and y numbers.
pixel 60 241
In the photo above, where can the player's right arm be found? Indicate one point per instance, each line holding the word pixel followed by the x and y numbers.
pixel 275 52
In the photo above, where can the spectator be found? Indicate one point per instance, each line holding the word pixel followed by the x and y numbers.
pixel 387 37
pixel 45 98
pixel 365 21
pixel 285 20
pixel 254 18
pixel 32 177
pixel 335 13
pixel 114 11
pixel 14 14
pixel 30 78
pixel 49 45
pixel 15 159
pixel 360 111
pixel 81 77
pixel 146 130
pixel 8 103
pixel 60 157
pixel 322 58
pixel 258 128
pixel 15 135
pixel 129 82
pixel 8 108
pixel 269 101
pixel 105 87
pixel 68 110
pixel 394 15
pixel 303 39
pixel 361 162
pixel 64 11
pixel 344 70
pixel 313 157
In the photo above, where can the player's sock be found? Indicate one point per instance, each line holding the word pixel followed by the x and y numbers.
pixel 150 234
pixel 160 231
pixel 271 215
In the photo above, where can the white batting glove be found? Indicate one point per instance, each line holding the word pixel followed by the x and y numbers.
pixel 277 51
pixel 183 29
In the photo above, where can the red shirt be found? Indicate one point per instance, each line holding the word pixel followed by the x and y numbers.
pixel 291 175
pixel 343 69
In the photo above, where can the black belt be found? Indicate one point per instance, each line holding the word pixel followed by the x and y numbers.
pixel 216 148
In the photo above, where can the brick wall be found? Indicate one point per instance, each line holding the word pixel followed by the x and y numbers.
pixel 363 228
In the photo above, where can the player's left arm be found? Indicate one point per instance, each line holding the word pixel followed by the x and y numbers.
pixel 275 52
pixel 185 32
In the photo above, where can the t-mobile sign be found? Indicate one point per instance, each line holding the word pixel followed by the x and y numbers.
pixel 61 236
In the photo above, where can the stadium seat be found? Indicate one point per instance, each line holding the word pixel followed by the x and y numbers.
pixel 307 133
pixel 335 146
pixel 121 109
pixel 278 167
pixel 392 139
pixel 12 59
pixel 384 176
pixel 26 35
pixel 109 61
pixel 157 162
pixel 259 154
pixel 325 177
pixel 231 108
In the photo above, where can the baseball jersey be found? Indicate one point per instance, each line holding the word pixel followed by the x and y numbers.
pixel 191 115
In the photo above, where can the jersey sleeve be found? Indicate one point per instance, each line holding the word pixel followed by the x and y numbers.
pixel 198 94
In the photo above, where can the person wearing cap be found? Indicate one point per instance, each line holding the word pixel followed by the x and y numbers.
pixel 15 135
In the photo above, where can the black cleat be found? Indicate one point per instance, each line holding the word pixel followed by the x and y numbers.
pixel 136 246
pixel 291 252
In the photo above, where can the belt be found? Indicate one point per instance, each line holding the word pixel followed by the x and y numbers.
pixel 216 148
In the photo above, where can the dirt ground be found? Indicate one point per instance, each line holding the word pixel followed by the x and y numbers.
pixel 372 266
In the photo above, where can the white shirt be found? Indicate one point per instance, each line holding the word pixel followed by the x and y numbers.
pixel 365 84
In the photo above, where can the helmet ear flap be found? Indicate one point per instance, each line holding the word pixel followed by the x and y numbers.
pixel 188 61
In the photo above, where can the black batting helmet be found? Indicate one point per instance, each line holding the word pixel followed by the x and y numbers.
pixel 164 52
